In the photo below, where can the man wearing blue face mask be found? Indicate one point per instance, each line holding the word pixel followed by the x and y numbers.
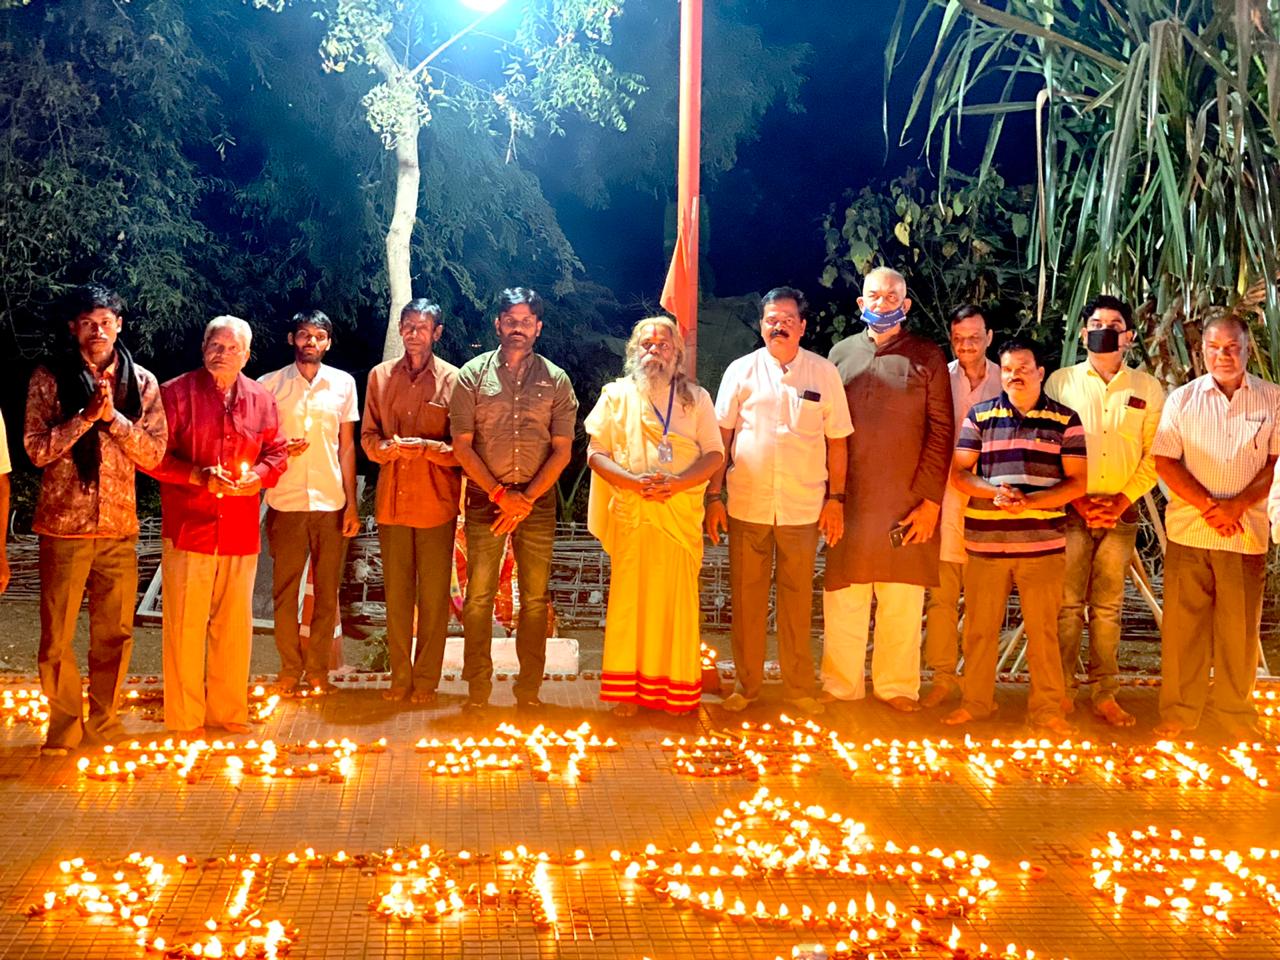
pixel 1120 410
pixel 899 394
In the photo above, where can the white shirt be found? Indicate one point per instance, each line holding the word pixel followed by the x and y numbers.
pixel 1223 444
pixel 963 397
pixel 316 411
pixel 5 465
pixel 778 470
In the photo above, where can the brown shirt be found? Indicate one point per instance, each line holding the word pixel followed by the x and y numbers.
pixel 513 414
pixel 899 395
pixel 417 492
pixel 67 507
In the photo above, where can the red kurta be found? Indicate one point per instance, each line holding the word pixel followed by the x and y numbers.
pixel 204 433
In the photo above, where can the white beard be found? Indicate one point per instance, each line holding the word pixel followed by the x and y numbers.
pixel 652 380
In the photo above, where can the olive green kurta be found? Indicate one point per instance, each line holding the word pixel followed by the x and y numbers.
pixel 900 400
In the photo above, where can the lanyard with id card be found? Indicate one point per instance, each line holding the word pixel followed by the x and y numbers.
pixel 664 448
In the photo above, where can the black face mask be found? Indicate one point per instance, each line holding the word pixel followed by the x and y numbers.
pixel 1106 340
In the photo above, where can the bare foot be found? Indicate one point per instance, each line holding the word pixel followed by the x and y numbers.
pixel 1058 726
pixel 1167 729
pixel 1114 714
pixel 625 710
pixel 938 694
pixel 903 704
pixel 1068 705
pixel 395 693
pixel 958 717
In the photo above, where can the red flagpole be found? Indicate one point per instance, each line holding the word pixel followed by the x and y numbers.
pixel 680 293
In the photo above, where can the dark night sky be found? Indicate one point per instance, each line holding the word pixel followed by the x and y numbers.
pixel 766 214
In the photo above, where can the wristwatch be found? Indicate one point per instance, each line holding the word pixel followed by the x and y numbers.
pixel 837 497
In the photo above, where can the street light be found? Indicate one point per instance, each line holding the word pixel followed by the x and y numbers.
pixel 485 9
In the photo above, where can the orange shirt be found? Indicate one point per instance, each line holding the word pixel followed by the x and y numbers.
pixel 417 492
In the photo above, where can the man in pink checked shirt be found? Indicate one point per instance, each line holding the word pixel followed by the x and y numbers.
pixel 224 448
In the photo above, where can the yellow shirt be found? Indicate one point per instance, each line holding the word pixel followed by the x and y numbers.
pixel 1120 420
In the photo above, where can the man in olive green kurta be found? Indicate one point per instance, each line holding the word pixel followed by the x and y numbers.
pixel 899 397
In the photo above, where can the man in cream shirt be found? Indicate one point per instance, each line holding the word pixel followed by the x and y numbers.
pixel 784 419
pixel 1120 410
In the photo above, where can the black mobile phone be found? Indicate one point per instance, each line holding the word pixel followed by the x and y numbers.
pixel 897 534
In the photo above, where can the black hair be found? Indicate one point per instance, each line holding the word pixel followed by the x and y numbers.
pixel 313 318
pixel 421 305
pixel 785 293
pixel 1105 301
pixel 89 298
pixel 1017 343
pixel 514 296
pixel 964 312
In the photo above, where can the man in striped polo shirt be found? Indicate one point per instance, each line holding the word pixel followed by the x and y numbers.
pixel 1215 450
pixel 1020 458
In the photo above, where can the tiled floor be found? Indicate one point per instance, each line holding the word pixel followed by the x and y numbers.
pixel 632 799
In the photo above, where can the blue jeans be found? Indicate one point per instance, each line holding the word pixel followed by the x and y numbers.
pixel 533 540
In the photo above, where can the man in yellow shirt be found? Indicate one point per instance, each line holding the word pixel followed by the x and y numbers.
pixel 1120 409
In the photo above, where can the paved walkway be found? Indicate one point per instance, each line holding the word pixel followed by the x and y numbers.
pixel 1034 820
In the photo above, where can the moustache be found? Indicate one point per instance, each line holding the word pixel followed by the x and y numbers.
pixel 779 334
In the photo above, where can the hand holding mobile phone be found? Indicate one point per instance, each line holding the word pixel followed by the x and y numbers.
pixel 897 535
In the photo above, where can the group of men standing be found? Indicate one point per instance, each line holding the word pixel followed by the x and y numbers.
pixel 1033 484
pixel 215 439
pixel 931 484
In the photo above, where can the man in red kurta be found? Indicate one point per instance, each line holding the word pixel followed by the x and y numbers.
pixel 224 448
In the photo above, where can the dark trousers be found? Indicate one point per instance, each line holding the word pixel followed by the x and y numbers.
pixel 107 569
pixel 753 550
pixel 1212 617
pixel 533 539
pixel 293 536
pixel 417 565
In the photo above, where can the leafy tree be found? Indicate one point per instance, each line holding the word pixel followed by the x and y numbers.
pixel 550 65
pixel 103 112
pixel 1158 146
pixel 966 246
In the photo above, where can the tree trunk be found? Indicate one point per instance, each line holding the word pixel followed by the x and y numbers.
pixel 400 237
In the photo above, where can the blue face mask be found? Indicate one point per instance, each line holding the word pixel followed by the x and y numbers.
pixel 883 322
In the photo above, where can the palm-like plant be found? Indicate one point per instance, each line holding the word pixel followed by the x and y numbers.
pixel 1158 150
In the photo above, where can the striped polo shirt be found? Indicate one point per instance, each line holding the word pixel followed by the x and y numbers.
pixel 1025 452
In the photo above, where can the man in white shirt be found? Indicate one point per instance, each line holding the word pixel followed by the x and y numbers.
pixel 784 420
pixel 312 510
pixel 974 378
pixel 1120 409
pixel 1216 450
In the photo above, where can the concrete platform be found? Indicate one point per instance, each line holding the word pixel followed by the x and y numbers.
pixel 1034 820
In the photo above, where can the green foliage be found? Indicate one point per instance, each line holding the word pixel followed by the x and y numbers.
pixel 102 111
pixel 1158 151
pixel 969 245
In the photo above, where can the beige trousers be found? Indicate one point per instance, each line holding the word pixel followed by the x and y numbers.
pixel 207 597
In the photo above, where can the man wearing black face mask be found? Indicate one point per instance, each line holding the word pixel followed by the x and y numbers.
pixel 1120 409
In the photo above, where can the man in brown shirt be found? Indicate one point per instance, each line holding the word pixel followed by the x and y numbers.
pixel 512 417
pixel 92 415
pixel 406 432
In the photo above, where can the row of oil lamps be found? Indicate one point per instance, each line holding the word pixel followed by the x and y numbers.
pixel 792 747
pixel 547 754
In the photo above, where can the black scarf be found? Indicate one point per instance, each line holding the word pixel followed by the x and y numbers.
pixel 76 385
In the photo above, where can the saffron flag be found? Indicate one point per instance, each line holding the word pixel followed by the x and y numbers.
pixel 680 292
